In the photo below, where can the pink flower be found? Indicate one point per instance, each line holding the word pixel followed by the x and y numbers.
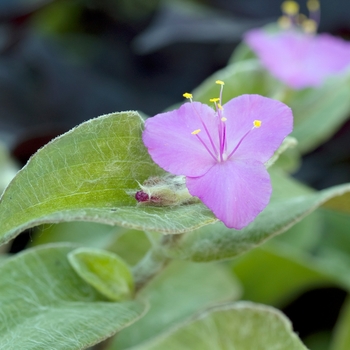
pixel 222 152
pixel 299 59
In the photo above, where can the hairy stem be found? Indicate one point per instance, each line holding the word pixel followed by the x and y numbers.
pixel 149 266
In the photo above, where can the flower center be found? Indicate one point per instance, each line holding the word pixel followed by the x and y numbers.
pixel 216 143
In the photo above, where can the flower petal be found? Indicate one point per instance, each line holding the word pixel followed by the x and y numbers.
pixel 260 144
pixel 332 55
pixel 170 142
pixel 297 59
pixel 236 191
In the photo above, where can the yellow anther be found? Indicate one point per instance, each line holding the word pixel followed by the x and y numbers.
pixel 219 82
pixel 216 99
pixel 220 107
pixel 290 8
pixel 257 123
pixel 309 26
pixel 223 119
pixel 284 22
pixel 301 18
pixel 195 132
pixel 313 5
pixel 187 95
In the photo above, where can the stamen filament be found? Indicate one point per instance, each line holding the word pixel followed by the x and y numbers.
pixel 222 133
pixel 256 124
pixel 220 82
pixel 203 143
pixel 207 132
pixel 223 144
pixel 239 143
pixel 222 125
pixel 314 14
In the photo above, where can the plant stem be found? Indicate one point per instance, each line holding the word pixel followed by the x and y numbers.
pixel 149 266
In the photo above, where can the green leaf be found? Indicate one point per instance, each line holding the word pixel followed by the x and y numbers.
pixel 290 203
pixel 341 335
pixel 242 52
pixel 3 258
pixel 86 175
pixel 245 77
pixel 130 245
pixel 239 326
pixel 285 160
pixel 319 112
pixel 46 305
pixel 275 274
pixel 105 271
pixel 179 292
pixel 334 247
pixel 335 232
pixel 88 234
pixel 304 235
pixel 8 168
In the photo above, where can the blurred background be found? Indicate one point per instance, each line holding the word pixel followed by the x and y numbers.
pixel 65 61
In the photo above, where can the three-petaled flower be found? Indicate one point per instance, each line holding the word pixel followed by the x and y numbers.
pixel 222 151
pixel 297 56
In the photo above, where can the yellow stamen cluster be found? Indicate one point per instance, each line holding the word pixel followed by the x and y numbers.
pixel 309 26
pixel 292 16
pixel 301 18
pixel 257 123
pixel 195 132
pixel 290 8
pixel 187 95
pixel 313 5
pixel 220 107
pixel 223 119
pixel 216 99
pixel 219 82
pixel 284 22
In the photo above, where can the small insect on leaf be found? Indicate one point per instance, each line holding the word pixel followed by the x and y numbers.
pixel 168 190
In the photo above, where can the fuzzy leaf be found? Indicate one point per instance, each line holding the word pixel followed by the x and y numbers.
pixel 275 274
pixel 86 175
pixel 105 271
pixel 290 203
pixel 179 292
pixel 46 305
pixel 239 326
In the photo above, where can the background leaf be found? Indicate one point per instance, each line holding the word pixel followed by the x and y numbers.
pixel 46 305
pixel 341 336
pixel 319 112
pixel 238 326
pixel 244 77
pixel 180 291
pixel 276 274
